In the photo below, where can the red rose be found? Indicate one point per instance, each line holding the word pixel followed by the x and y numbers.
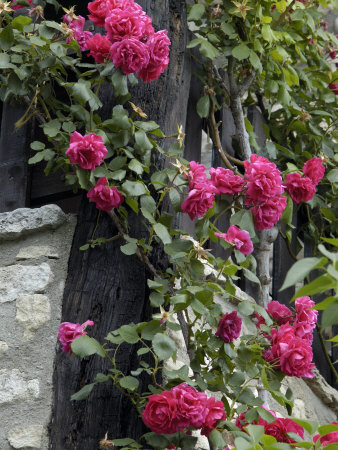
pixel 130 54
pixel 158 44
pixel 304 313
pixel 160 413
pixel 314 169
pixel 264 180
pixel 86 151
pixel 240 238
pixel 99 47
pixel 329 438
pixel 105 197
pixel 280 313
pixel 301 189
pixel 215 412
pixel 281 427
pixel 296 360
pixel 225 181
pixel 196 174
pixel 268 213
pixel 191 406
pixel 334 88
pixel 69 331
pixel 229 327
pixel 199 200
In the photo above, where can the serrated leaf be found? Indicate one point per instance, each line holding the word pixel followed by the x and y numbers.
pixel 85 346
pixel 162 233
pixel 129 383
pixel 241 52
pixel 203 106
pixel 129 333
pixel 196 12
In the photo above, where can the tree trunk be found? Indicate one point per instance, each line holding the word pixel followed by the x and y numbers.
pixel 107 286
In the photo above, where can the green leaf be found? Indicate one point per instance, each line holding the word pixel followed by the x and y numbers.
pixel 6 39
pixel 134 188
pixel 85 346
pixel 83 393
pixel 129 333
pixel 244 219
pixel 162 233
pixel 120 83
pixel 20 22
pixel 175 199
pixel 332 176
pixel 136 166
pixel 330 316
pixel 227 28
pixel 246 308
pixel 5 61
pixel 203 106
pixel 164 347
pixel 196 12
pixel 129 249
pixel 156 299
pixel 156 440
pixel 142 140
pixel 129 383
pixel 82 93
pixel 146 126
pixel 255 431
pixel 207 49
pixel 320 284
pixel 299 271
pixel 216 439
pixel 117 163
pixel 36 158
pixel 241 52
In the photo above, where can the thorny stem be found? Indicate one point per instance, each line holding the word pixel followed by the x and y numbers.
pixel 327 356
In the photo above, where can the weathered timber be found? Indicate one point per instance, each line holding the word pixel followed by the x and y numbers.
pixel 107 286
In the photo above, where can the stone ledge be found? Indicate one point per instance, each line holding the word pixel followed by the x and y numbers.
pixel 24 221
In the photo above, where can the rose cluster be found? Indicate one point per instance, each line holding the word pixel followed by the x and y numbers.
pixel 68 332
pixel 88 152
pixel 180 408
pixel 262 187
pixel 14 6
pixel 279 428
pixel 329 438
pixel 290 341
pixel 130 40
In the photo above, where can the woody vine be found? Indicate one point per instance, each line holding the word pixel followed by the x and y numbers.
pixel 253 53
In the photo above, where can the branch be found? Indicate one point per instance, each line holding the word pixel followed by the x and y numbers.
pixel 327 356
pixel 282 16
pixel 247 83
pixel 217 141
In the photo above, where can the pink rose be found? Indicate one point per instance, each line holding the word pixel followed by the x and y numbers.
pixel 280 427
pixel 229 327
pixel 130 54
pixel 240 238
pixel 158 44
pixel 69 331
pixel 280 339
pixel 160 413
pixel 225 181
pixel 301 189
pixel 105 197
pixel 314 169
pixel 79 34
pixel 191 406
pixel 100 9
pixel 214 413
pixel 99 47
pixel 121 23
pixel 303 330
pixel 86 151
pixel 196 174
pixel 329 438
pixel 280 313
pixel 296 360
pixel 268 213
pixel 304 313
pixel 264 180
pixel 334 88
pixel 199 200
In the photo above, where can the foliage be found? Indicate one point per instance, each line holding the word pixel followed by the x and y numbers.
pixel 259 48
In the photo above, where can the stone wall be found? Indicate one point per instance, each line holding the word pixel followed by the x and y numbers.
pixel 34 250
